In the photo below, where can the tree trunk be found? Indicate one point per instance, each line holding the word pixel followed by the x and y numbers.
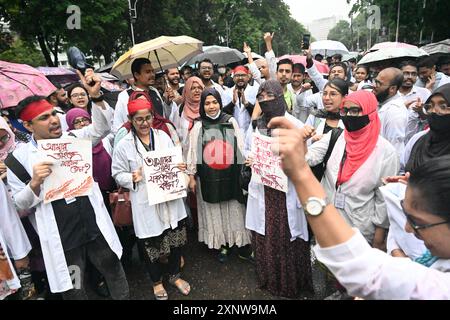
pixel 44 50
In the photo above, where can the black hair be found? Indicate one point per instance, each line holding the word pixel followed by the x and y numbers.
pixel 338 84
pixel 137 64
pixel 205 61
pixel 57 85
pixel 408 63
pixel 338 57
pixel 186 68
pixel 431 184
pixel 443 61
pixel 167 70
pixel 352 60
pixel 299 66
pixel 427 62
pixel 285 61
pixel 340 64
pixel 73 87
pixel 318 57
pixel 25 102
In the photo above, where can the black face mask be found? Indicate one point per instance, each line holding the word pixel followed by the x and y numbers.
pixel 439 123
pixel 274 108
pixel 353 124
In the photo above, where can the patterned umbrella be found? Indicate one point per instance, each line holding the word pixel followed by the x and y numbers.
pixel 18 81
pixel 322 67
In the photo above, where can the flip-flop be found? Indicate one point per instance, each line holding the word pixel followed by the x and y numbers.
pixel 161 294
pixel 183 287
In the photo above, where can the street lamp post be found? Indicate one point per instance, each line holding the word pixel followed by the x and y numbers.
pixel 133 17
pixel 398 21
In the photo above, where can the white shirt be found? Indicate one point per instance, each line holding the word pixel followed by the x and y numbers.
pixel 413 117
pixel 300 110
pixel 255 219
pixel 317 77
pixel 372 274
pixel 148 220
pixel 364 205
pixel 240 113
pixel 44 218
pixel 394 121
pixel 441 79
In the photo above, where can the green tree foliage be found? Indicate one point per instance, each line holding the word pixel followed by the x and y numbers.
pixel 414 18
pixel 103 25
pixel 23 52
pixel 222 22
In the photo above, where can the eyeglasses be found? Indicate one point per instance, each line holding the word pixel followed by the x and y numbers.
pixel 416 227
pixel 410 74
pixel 4 139
pixel 141 120
pixel 77 95
pixel 429 107
pixel 352 112
pixel 266 97
pixel 331 95
pixel 80 121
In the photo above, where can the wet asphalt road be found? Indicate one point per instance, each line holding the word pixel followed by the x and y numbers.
pixel 210 279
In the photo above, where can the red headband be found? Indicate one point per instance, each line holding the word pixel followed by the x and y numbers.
pixel 34 109
pixel 137 105
pixel 240 68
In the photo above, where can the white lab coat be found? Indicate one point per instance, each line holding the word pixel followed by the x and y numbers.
pixel 398 238
pixel 317 77
pixel 13 238
pixel 315 102
pixel 44 218
pixel 256 207
pixel 372 274
pixel 319 124
pixel 441 79
pixel 408 149
pixel 300 111
pixel 149 221
pixel 414 122
pixel 240 113
pixel 364 204
pixel 394 121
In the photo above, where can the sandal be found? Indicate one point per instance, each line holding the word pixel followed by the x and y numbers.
pixel 160 294
pixel 183 286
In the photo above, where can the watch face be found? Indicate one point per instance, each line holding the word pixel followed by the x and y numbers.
pixel 314 207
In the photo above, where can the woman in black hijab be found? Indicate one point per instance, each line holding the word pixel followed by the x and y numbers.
pixel 436 142
pixel 280 238
pixel 214 163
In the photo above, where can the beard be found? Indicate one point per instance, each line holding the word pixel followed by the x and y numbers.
pixel 382 96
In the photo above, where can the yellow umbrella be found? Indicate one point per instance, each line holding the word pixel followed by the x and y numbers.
pixel 165 52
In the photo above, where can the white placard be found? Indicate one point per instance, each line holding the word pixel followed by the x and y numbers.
pixel 71 175
pixel 266 167
pixel 165 182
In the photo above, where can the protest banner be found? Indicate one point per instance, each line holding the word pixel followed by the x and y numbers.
pixel 266 167
pixel 165 182
pixel 71 175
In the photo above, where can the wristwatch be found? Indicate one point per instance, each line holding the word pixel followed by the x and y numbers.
pixel 315 206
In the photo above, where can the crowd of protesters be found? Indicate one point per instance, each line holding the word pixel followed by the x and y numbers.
pixel 367 159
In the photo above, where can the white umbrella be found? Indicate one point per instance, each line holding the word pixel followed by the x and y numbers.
pixel 255 56
pixel 442 47
pixel 163 52
pixel 392 53
pixel 328 48
pixel 390 45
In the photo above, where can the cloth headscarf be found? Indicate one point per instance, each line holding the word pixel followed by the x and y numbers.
pixel 274 108
pixel 11 144
pixel 191 109
pixel 159 122
pixel 360 144
pixel 222 116
pixel 433 144
pixel 101 160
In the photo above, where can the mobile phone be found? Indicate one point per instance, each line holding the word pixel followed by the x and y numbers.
pixel 306 41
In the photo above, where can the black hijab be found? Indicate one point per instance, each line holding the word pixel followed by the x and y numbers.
pixel 434 144
pixel 273 108
pixel 203 117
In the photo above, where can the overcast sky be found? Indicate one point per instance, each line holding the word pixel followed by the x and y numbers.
pixel 306 11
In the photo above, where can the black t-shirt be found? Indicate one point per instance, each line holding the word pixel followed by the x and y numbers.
pixel 76 222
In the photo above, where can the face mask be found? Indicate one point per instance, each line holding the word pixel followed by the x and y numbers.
pixel 353 124
pixel 215 117
pixel 222 70
pixel 273 108
pixel 439 123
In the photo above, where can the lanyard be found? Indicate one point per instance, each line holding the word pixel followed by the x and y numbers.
pixel 341 169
